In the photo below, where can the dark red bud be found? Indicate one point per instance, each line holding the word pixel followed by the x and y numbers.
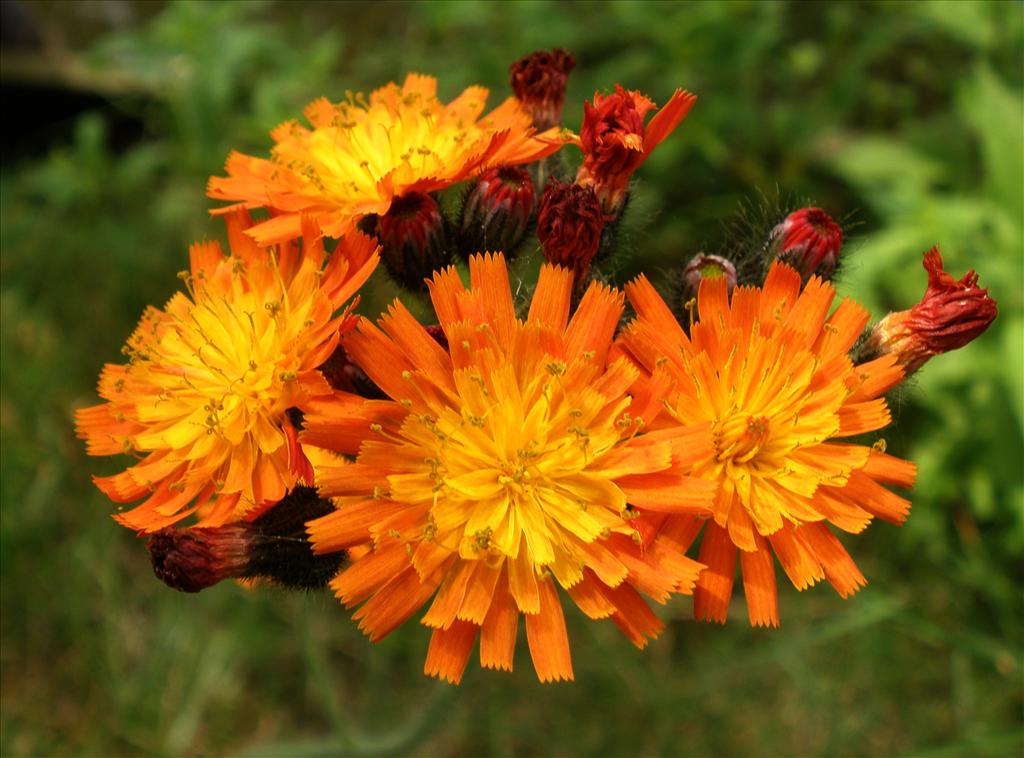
pixel 413 240
pixel 497 211
pixel 569 225
pixel 342 374
pixel 273 546
pixel 436 331
pixel 538 81
pixel 190 560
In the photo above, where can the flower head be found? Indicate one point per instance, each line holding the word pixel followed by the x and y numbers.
pixel 810 241
pixel 205 396
pixel 539 83
pixel 497 211
pixel 412 239
pixel 362 154
pixel 569 225
pixel 615 141
pixel 770 372
pixel 950 315
pixel 507 465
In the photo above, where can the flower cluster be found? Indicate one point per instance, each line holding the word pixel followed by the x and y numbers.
pixel 526 448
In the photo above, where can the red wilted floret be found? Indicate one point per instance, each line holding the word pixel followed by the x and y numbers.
pixel 950 315
pixel 615 141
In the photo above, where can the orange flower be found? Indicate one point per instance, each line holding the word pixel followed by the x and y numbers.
pixel 506 465
pixel 204 397
pixel 361 155
pixel 769 371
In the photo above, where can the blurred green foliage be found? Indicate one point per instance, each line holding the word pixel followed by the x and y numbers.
pixel 908 115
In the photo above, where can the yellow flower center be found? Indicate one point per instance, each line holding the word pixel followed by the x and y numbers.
pixel 509 467
pixel 768 421
pixel 740 436
pixel 404 138
pixel 223 364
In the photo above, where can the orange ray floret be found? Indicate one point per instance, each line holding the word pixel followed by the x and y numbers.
pixel 362 154
pixel 204 397
pixel 768 370
pixel 517 466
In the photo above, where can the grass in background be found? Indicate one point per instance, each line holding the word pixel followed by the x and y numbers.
pixel 908 114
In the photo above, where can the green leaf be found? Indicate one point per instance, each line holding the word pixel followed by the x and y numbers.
pixel 996 114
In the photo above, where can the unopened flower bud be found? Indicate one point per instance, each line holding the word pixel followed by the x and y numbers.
pixel 343 374
pixel 497 211
pixel 412 238
pixel 569 225
pixel 810 241
pixel 703 266
pixel 273 546
pixel 950 315
pixel 615 140
pixel 538 81
pixel 436 331
pixel 194 559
